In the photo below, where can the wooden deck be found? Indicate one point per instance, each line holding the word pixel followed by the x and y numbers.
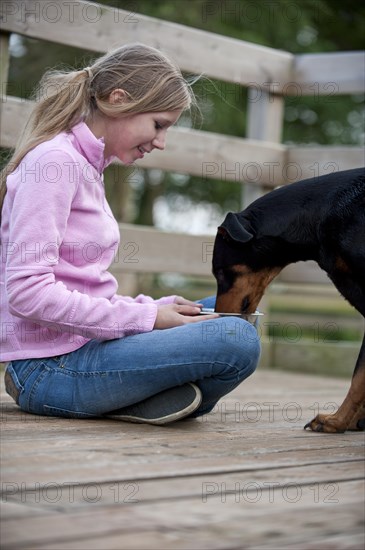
pixel 245 476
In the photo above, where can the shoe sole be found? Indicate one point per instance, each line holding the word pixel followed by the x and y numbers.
pixel 165 418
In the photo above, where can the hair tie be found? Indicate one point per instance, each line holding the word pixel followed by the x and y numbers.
pixel 89 72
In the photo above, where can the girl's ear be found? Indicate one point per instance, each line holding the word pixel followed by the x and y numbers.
pixel 117 96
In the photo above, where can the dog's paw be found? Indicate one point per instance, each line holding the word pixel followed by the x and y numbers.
pixel 327 423
pixel 332 423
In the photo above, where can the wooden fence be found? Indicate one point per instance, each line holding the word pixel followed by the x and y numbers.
pixel 259 161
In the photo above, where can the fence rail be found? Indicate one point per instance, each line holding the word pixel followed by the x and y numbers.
pixel 211 155
pixel 99 28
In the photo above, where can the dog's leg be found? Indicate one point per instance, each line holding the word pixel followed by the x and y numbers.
pixel 351 414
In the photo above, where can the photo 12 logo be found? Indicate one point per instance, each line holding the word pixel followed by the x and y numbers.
pixel 69 492
pixel 66 11
pixel 271 492
pixel 271 11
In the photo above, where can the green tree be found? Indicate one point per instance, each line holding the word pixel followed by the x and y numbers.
pixel 310 26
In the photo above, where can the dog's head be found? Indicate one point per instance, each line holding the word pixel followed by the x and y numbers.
pixel 240 265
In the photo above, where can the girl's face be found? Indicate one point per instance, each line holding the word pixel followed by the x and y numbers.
pixel 130 138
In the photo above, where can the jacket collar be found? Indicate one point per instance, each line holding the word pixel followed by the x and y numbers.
pixel 90 147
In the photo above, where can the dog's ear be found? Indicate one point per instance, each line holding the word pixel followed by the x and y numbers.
pixel 235 229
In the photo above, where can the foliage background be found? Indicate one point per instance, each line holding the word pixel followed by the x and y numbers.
pixel 151 197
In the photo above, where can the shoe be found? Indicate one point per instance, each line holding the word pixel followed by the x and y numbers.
pixel 164 407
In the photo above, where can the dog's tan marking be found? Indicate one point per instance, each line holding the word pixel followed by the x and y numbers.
pixel 349 413
pixel 248 284
pixel 252 285
pixel 341 265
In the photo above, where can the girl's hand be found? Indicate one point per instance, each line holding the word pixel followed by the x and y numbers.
pixel 184 302
pixel 180 313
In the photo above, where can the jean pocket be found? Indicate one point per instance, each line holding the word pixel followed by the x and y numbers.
pixel 12 385
pixel 65 413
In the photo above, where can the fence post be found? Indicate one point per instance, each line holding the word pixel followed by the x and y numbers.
pixel 4 63
pixel 264 122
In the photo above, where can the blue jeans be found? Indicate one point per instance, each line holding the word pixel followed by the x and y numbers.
pixel 104 376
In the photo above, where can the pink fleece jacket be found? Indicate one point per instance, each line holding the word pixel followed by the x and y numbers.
pixel 58 239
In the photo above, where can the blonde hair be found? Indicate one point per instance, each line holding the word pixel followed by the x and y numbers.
pixel 151 82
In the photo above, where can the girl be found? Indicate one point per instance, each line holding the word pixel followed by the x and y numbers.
pixel 74 347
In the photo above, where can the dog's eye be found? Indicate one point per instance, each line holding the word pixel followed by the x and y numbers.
pixel 221 278
pixel 245 304
pixel 219 275
pixel 225 279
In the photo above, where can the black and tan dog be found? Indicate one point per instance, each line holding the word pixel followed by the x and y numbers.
pixel 321 219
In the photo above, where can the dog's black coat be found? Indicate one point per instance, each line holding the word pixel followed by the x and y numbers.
pixel 321 219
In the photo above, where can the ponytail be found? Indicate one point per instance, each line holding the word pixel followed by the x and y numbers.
pixel 62 100
pixel 151 82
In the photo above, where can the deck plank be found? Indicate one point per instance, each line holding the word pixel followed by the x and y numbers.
pixel 245 476
pixel 216 523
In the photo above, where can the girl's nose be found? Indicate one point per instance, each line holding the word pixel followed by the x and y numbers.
pixel 160 141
